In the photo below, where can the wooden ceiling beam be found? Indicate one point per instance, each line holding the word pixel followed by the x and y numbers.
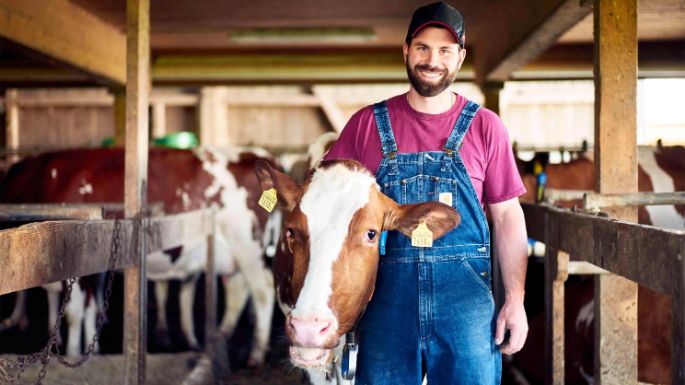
pixel 527 33
pixel 68 34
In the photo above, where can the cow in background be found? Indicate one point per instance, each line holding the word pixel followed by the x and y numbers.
pixel 326 273
pixel 661 169
pixel 183 181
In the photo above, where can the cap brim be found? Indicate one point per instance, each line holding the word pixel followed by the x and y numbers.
pixel 440 23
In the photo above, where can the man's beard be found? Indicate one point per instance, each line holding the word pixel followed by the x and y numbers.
pixel 427 89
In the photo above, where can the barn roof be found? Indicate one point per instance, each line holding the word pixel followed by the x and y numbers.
pixel 308 41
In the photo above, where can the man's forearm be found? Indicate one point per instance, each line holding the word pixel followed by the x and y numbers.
pixel 512 250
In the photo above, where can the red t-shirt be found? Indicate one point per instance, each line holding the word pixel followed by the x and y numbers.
pixel 486 149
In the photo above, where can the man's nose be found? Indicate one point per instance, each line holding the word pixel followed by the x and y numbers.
pixel 433 58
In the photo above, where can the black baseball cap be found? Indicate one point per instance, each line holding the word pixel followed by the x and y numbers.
pixel 439 13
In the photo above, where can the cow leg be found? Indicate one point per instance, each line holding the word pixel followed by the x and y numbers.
pixel 90 321
pixel 162 327
pixel 187 324
pixel 18 316
pixel 236 294
pixel 53 291
pixel 260 283
pixel 74 313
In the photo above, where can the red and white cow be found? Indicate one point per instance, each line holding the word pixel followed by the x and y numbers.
pixel 661 169
pixel 326 267
pixel 183 181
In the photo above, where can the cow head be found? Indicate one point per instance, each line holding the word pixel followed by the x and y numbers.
pixel 332 227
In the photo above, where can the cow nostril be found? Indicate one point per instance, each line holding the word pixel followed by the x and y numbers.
pixel 326 327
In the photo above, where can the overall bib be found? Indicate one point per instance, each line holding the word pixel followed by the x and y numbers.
pixel 432 306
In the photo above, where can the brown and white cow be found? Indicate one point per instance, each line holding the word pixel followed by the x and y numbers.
pixel 326 267
pixel 661 169
pixel 182 180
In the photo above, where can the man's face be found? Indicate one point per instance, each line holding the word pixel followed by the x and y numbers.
pixel 432 60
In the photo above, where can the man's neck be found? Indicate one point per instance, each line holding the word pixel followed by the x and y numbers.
pixel 432 104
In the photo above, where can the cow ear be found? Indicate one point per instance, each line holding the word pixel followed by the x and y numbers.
pixel 287 190
pixel 439 218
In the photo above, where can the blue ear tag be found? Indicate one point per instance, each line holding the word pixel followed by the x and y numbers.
pixel 381 243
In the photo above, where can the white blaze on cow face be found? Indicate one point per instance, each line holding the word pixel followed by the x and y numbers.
pixel 665 215
pixel 334 195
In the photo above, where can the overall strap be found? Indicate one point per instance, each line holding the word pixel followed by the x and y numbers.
pixel 461 126
pixel 388 144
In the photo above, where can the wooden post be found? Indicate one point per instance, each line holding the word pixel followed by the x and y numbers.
pixel 556 274
pixel 615 71
pixel 213 116
pixel 135 192
pixel 491 92
pixel 678 343
pixel 12 117
pixel 158 119
pixel 119 116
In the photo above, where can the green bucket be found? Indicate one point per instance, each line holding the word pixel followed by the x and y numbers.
pixel 182 139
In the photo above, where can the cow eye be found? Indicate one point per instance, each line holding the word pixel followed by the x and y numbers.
pixel 289 233
pixel 370 235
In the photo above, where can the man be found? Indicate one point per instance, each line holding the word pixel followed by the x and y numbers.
pixel 433 307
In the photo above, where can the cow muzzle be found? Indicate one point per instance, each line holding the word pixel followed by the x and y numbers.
pixel 312 331
pixel 310 357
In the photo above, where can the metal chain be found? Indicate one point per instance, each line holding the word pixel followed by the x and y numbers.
pixel 52 346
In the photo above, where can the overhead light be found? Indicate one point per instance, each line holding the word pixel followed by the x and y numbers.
pixel 303 35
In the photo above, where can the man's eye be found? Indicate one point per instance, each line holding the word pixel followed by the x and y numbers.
pixel 370 235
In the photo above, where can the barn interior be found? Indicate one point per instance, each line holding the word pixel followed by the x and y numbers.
pixel 278 74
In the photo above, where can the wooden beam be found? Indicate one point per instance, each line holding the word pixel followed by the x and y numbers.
pixel 119 103
pixel 556 274
pixel 67 33
pixel 656 59
pixel 45 252
pixel 12 122
pixel 678 340
pixel 135 185
pixel 284 68
pixel 615 71
pixel 214 116
pixel 566 15
pixel 51 212
pixel 491 91
pixel 39 253
pixel 644 254
pixel 158 119
pixel 330 108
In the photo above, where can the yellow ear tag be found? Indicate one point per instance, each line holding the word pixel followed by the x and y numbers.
pixel 268 199
pixel 421 236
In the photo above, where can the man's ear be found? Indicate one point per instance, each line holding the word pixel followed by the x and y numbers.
pixel 287 190
pixel 439 218
pixel 462 56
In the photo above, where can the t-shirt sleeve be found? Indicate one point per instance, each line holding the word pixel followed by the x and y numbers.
pixel 502 180
pixel 346 146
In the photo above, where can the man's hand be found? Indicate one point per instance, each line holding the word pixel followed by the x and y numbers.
pixel 512 317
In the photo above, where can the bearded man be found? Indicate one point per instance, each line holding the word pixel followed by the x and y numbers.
pixel 433 308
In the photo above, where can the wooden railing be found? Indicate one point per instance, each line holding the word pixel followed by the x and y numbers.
pixel 54 250
pixel 647 255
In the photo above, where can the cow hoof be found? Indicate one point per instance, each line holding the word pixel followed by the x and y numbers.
pixel 194 346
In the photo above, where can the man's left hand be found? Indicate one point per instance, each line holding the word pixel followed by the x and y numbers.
pixel 512 317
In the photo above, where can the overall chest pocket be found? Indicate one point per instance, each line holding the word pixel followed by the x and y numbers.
pixel 423 188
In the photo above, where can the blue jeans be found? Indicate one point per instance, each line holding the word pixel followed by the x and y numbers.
pixel 452 332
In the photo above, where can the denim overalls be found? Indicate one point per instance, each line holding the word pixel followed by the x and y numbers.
pixel 431 305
